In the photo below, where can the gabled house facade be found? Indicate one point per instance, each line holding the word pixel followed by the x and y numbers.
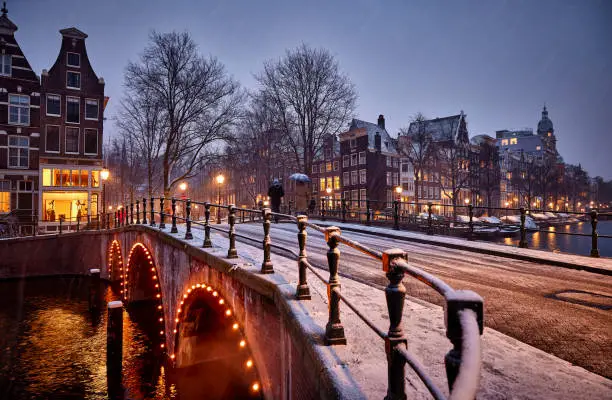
pixel 72 103
pixel 19 133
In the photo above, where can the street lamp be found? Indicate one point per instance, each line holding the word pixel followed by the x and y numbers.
pixel 220 179
pixel 104 174
pixel 183 186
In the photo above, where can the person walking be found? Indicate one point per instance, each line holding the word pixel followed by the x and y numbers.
pixel 276 193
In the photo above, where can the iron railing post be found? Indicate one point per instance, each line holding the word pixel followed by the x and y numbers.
pixel 162 225
pixel 174 228
pixel 343 205
pixel 456 302
pixel 131 213
pixel 322 209
pixel 471 223
pixel 368 212
pixel 231 219
pixel 303 291
pixel 266 265
pixel 334 331
pixel 523 241
pixel 188 234
pixel 138 212
pixel 115 219
pixel 78 224
pixel 152 211
pixel 207 242
pixel 396 215
pixel 429 220
pixel 144 211
pixel 594 234
pixel 395 293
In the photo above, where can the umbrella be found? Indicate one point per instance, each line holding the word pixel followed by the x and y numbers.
pixel 300 178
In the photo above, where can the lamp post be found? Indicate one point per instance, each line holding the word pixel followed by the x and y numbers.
pixel 104 174
pixel 220 179
pixel 183 187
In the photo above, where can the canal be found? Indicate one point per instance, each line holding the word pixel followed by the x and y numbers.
pixel 556 241
pixel 53 347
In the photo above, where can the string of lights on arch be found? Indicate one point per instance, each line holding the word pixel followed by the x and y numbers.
pixel 115 249
pixel 206 290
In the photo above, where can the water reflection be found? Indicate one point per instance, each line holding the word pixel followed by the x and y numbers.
pixel 52 347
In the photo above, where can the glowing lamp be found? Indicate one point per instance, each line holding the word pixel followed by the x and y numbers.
pixel 183 186
pixel 220 179
pixel 242 343
pixel 104 174
pixel 398 190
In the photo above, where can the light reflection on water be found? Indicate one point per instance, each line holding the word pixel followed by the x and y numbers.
pixel 554 240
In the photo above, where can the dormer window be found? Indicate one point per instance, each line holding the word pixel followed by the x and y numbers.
pixel 5 65
pixel 73 80
pixel 73 60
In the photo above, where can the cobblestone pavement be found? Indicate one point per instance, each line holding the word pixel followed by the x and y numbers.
pixel 520 297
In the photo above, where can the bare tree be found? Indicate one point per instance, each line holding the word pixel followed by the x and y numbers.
pixel 455 174
pixel 488 172
pixel 142 121
pixel 200 101
pixel 417 146
pixel 525 171
pixel 309 97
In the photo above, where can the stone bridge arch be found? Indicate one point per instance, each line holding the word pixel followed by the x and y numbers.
pixel 114 261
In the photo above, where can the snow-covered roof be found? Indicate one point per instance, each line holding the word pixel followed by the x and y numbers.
pixel 441 129
pixel 387 143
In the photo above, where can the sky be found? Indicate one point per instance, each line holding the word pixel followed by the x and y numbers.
pixel 498 61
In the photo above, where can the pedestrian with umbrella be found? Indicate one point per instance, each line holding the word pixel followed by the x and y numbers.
pixel 301 192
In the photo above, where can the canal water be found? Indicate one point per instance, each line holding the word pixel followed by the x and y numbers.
pixel 53 347
pixel 556 241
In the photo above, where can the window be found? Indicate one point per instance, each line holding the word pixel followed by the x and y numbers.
pixel 322 184
pixel 346 195
pixel 321 168
pixel 73 80
pixel 513 140
pixel 5 64
pixel 346 161
pixel 19 109
pixel 5 196
pixel 314 188
pixel 328 166
pixel 91 109
pixel 355 195
pixel 19 151
pixel 404 167
pixel 72 110
pixel 314 168
pixel 73 60
pixel 336 182
pixel 52 142
pixel 91 141
pixel 54 105
pixel 95 179
pixel 388 178
pixel 72 140
pixel 330 183
pixel 538 147
pixel 353 159
pixel 353 143
pixel 362 176
pixel 362 197
pixel 362 157
pixel 345 179
pixel 388 161
pixel 336 165
pixel 504 142
pixel 354 178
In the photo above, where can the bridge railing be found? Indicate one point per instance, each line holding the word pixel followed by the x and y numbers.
pixel 461 220
pixel 463 309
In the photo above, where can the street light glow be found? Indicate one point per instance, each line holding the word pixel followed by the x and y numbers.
pixel 104 174
pixel 398 190
pixel 183 186
pixel 220 179
pixel 328 190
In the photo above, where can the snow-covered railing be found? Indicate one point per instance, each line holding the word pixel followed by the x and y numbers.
pixel 463 308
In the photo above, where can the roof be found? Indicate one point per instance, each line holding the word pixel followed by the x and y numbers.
pixel 441 129
pixel 5 23
pixel 388 144
pixel 73 33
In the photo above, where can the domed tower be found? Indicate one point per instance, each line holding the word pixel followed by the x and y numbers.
pixel 547 133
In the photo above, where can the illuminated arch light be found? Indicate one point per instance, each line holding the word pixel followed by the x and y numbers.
pixel 115 248
pixel 154 278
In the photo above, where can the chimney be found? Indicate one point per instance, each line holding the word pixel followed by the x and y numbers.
pixel 381 121
pixel 377 141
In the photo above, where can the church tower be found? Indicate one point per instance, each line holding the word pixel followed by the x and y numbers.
pixel 547 133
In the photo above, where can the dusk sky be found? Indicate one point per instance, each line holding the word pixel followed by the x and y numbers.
pixel 498 61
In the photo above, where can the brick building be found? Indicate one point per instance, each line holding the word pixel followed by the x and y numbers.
pixel 326 174
pixel 72 125
pixel 19 132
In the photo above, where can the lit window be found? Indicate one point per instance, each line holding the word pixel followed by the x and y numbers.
pixel 54 105
pixel 549 134
pixel 91 109
pixel 19 109
pixel 19 151
pixel 5 64
pixel 91 141
pixel 46 181
pixel 513 141
pixel 73 80
pixel 95 178
pixel 504 142
pixel 336 182
pixel 538 147
pixel 84 178
pixel 72 110
pixel 52 142
pixel 5 196
pixel 72 140
pixel 73 60
pixel 328 166
pixel 322 183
